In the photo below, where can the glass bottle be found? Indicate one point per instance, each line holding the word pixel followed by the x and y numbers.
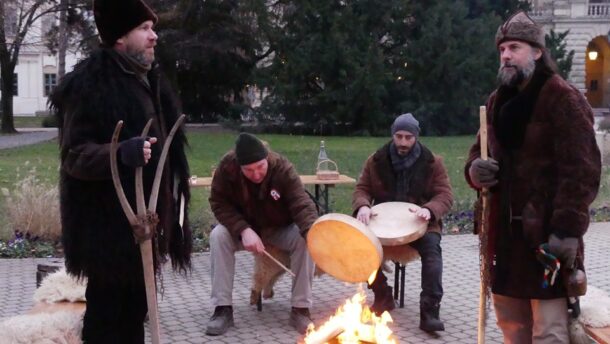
pixel 323 164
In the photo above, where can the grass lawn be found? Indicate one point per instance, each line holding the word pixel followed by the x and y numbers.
pixel 206 149
pixel 28 121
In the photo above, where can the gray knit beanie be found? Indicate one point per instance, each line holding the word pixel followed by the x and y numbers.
pixel 249 149
pixel 407 122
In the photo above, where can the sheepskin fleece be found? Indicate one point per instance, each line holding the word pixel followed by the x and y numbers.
pixel 43 328
pixel 59 286
pixel 595 308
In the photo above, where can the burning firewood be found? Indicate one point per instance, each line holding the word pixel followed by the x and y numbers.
pixel 353 323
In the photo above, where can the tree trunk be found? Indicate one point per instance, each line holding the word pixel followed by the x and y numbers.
pixel 63 40
pixel 6 102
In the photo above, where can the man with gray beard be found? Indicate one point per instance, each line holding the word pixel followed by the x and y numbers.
pixel 542 174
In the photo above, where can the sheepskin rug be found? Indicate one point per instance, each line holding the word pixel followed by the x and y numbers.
pixel 62 327
pixel 57 315
pixel 59 286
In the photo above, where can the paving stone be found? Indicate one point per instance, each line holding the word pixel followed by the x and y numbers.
pixel 185 309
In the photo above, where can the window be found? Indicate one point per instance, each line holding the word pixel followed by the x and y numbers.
pixel 15 85
pixel 10 22
pixel 50 81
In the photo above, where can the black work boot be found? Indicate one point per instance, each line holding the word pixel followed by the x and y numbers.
pixel 220 321
pixel 428 317
pixel 300 319
pixel 384 300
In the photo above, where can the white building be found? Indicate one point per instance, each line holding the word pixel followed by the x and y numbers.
pixel 589 25
pixel 36 69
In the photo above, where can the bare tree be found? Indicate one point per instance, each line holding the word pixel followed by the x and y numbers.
pixel 16 19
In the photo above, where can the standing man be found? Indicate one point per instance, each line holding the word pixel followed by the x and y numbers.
pixel 120 81
pixel 543 173
pixel 404 170
pixel 258 198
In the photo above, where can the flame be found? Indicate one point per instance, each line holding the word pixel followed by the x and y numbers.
pixel 353 323
pixel 372 277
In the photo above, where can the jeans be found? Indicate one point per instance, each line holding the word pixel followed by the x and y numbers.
pixel 429 249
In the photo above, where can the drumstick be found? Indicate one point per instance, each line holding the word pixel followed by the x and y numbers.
pixel 280 264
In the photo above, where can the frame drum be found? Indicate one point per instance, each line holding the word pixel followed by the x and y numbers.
pixel 394 224
pixel 344 248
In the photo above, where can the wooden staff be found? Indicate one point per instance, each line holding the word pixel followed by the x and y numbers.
pixel 483 232
pixel 145 216
pixel 280 264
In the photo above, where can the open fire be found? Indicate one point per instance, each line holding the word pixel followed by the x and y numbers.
pixel 353 323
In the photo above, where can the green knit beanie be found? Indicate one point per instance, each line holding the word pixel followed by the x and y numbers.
pixel 249 149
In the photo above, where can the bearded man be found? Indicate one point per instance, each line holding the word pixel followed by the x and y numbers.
pixel 120 81
pixel 542 174
pixel 404 170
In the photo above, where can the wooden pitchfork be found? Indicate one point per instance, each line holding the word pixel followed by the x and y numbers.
pixel 483 234
pixel 146 218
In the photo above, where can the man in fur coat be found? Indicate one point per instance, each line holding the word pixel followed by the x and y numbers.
pixel 543 173
pixel 120 81
pixel 404 170
pixel 258 198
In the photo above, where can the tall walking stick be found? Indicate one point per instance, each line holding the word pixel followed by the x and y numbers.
pixel 483 234
pixel 145 222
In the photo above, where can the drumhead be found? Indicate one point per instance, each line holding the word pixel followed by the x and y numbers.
pixel 395 224
pixel 344 248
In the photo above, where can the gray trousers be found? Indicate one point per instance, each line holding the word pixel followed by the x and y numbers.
pixel 525 321
pixel 222 251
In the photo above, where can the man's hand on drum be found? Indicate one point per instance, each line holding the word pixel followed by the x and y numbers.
pixel 424 213
pixel 251 241
pixel 364 214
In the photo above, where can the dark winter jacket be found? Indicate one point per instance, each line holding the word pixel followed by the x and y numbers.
pixel 429 186
pixel 278 201
pixel 97 237
pixel 549 174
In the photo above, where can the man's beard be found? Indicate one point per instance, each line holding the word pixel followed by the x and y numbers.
pixel 521 74
pixel 141 57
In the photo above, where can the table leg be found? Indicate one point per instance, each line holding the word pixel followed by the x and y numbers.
pixel 322 198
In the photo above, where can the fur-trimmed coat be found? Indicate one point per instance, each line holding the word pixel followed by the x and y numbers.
pixel 97 237
pixel 429 187
pixel 277 202
pixel 549 174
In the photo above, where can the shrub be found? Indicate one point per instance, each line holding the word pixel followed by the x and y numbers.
pixel 24 246
pixel 33 209
pixel 49 121
pixel 604 124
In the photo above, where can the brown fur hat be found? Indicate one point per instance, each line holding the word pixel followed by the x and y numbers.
pixel 520 27
pixel 115 18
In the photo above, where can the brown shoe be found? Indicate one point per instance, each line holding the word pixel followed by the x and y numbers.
pixel 300 319
pixel 384 301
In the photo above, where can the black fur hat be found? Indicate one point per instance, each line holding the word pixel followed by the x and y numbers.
pixel 115 18
pixel 520 27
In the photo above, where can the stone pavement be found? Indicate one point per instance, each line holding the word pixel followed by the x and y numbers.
pixel 27 136
pixel 185 307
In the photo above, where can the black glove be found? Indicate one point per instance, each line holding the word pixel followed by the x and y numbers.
pixel 483 172
pixel 132 152
pixel 564 249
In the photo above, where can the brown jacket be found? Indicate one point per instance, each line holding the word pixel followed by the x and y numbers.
pixel 429 186
pixel 278 201
pixel 549 182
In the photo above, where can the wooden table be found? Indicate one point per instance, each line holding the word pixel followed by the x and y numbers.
pixel 320 187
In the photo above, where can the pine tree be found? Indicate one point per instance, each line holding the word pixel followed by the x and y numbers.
pixel 556 45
